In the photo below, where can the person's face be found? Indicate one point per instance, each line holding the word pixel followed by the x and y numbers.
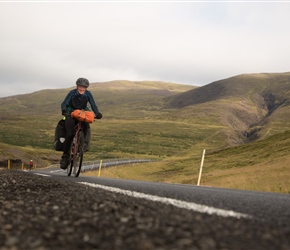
pixel 81 89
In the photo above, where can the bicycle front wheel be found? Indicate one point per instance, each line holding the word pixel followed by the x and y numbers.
pixel 70 167
pixel 78 157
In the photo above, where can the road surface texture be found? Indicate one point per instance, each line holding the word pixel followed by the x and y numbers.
pixel 43 213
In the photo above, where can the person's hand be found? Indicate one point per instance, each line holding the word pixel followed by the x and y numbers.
pixel 64 111
pixel 98 116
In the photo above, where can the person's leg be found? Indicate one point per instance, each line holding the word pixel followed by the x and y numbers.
pixel 87 133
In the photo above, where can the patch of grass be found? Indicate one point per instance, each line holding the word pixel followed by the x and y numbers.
pixel 260 166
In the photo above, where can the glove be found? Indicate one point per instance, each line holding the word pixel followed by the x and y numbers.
pixel 98 116
pixel 64 112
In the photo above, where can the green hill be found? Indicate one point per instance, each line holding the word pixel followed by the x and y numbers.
pixel 262 165
pixel 169 122
pixel 129 108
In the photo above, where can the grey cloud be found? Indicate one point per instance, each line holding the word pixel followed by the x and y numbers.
pixel 49 45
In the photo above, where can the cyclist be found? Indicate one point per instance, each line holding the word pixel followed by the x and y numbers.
pixel 30 165
pixel 76 99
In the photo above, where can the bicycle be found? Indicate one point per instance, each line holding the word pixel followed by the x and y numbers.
pixel 77 150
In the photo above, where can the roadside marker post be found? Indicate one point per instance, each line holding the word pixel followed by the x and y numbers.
pixel 201 166
pixel 9 164
pixel 99 174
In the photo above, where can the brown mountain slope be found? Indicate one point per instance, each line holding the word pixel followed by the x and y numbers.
pixel 247 85
pixel 249 105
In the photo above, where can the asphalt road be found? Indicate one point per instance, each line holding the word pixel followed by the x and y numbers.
pixel 48 210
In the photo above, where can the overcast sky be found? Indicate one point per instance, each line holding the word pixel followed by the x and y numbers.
pixel 49 44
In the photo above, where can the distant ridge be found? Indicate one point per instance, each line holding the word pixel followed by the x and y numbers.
pixel 237 86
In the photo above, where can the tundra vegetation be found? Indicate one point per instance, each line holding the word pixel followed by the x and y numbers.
pixel 242 122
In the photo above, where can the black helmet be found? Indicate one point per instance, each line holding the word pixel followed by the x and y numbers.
pixel 83 82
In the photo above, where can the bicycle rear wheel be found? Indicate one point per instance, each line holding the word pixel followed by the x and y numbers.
pixel 78 157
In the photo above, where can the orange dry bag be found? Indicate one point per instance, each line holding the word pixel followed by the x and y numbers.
pixel 82 115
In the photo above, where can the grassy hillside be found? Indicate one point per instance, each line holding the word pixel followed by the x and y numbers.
pixel 30 120
pixel 261 166
pixel 237 120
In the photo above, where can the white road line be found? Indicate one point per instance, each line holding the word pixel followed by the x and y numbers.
pixel 46 175
pixel 58 170
pixel 177 203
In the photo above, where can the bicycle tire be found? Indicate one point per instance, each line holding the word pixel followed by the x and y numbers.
pixel 78 157
pixel 69 168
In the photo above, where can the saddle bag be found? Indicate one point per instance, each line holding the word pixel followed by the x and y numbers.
pixel 59 136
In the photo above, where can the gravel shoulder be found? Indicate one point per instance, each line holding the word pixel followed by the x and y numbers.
pixel 41 213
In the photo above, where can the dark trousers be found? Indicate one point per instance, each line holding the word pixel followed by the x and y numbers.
pixel 70 124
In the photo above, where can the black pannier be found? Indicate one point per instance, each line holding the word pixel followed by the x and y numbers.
pixel 59 136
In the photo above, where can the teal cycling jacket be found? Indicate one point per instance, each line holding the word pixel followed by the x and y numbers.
pixel 74 100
